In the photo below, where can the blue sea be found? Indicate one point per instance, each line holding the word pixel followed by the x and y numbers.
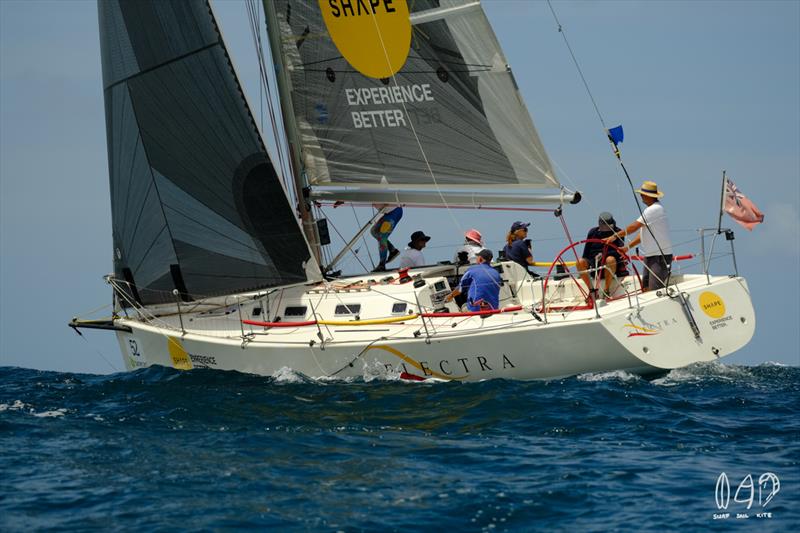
pixel 709 447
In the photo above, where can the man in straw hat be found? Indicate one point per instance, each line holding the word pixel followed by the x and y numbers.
pixel 656 246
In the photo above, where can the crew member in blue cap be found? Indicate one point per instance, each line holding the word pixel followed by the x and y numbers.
pixel 516 248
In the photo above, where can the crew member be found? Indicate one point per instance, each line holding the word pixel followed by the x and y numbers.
pixel 482 284
pixel 595 252
pixel 412 256
pixel 656 246
pixel 381 231
pixel 473 243
pixel 516 249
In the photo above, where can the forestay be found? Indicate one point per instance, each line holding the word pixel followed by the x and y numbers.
pixel 382 89
pixel 197 205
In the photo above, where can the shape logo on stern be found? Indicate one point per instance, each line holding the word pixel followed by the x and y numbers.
pixel 712 304
pixel 374 36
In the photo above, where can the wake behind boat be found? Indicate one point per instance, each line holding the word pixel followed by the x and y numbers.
pixel 394 105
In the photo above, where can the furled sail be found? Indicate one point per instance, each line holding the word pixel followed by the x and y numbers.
pixel 390 93
pixel 196 202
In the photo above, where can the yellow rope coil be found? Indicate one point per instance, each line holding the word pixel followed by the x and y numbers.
pixel 367 322
pixel 546 264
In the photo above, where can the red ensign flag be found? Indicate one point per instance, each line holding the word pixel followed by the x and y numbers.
pixel 740 208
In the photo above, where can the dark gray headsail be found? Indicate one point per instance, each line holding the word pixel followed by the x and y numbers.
pixel 196 202
pixel 397 93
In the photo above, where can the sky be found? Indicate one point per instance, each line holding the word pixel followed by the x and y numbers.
pixel 699 86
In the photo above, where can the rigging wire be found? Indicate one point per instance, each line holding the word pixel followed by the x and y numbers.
pixel 363 237
pixel 354 252
pixel 575 60
pixel 97 350
pixel 605 129
pixel 254 18
pixel 414 130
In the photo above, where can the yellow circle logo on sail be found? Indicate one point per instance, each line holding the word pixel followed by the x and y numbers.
pixel 712 304
pixel 374 36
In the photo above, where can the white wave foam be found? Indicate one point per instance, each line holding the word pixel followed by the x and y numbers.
pixel 620 375
pixel 301 399
pixel 28 409
pixel 50 414
pixel 701 371
pixel 378 371
pixel 16 406
pixel 287 375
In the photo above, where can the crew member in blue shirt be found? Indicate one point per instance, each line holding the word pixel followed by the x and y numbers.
pixel 482 283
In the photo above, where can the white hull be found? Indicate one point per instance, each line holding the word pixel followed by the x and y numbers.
pixel 641 334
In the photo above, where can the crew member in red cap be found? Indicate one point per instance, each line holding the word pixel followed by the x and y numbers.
pixel 473 243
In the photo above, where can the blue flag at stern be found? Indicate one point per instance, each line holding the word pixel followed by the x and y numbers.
pixel 616 135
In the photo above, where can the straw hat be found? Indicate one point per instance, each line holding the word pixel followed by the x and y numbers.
pixel 650 188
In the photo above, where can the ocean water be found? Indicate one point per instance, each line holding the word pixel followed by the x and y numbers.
pixel 160 449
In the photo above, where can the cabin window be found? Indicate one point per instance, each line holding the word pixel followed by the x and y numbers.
pixel 297 310
pixel 348 309
pixel 399 308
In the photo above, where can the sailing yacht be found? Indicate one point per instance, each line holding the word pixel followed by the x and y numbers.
pixel 218 257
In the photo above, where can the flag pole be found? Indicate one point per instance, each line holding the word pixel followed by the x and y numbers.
pixel 721 204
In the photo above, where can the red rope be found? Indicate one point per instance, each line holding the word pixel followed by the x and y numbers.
pixel 473 313
pixel 279 324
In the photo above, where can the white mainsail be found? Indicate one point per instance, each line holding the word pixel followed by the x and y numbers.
pixel 449 119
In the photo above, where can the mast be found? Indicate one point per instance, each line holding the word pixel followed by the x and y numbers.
pixel 290 128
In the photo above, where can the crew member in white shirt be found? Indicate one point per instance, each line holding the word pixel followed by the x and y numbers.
pixel 656 245
pixel 412 256
pixel 473 243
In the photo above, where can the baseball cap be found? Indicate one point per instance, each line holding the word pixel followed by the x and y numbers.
pixel 519 225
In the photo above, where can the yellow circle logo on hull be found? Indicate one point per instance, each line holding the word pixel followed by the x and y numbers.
pixel 374 36
pixel 712 304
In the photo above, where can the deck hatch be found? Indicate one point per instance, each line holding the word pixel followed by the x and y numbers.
pixel 347 309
